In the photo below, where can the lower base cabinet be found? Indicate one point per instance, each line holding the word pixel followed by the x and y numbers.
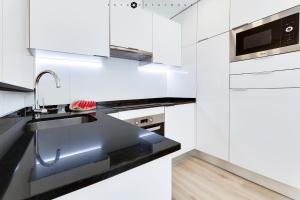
pixel 180 126
pixel 265 132
pixel 151 181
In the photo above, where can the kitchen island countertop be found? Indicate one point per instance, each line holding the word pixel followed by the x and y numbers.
pixel 49 163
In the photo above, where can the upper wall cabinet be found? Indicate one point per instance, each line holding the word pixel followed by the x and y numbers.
pixel 243 12
pixel 17 62
pixel 166 41
pixel 129 27
pixel 213 18
pixel 188 21
pixel 80 27
pixel 1 40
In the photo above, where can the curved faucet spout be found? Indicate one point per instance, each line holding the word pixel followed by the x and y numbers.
pixel 37 80
pixel 40 75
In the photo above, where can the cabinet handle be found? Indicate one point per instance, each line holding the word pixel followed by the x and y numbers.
pixel 133 49
pixel 202 40
pixel 262 73
pixel 154 128
pixel 158 63
pixel 106 57
pixel 239 89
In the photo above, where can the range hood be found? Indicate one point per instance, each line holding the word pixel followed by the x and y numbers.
pixel 130 53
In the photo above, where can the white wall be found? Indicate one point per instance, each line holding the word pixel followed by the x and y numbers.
pixel 183 83
pixel 98 79
pixel 11 101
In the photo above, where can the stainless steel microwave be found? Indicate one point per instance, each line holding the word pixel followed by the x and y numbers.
pixel 270 36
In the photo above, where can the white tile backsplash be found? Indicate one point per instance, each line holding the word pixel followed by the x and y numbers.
pixel 99 79
pixel 184 84
pixel 11 101
pixel 102 80
pixel 47 90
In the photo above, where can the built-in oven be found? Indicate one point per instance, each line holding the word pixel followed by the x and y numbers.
pixel 153 123
pixel 270 36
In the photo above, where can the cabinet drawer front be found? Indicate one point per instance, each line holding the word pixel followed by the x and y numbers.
pixel 264 133
pixel 141 113
pixel 275 79
pixel 270 63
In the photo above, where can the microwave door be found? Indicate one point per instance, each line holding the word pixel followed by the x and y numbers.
pixel 273 35
pixel 259 39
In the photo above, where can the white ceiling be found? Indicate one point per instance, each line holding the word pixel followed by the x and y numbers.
pixel 168 8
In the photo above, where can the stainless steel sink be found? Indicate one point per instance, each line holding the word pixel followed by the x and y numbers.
pixel 49 123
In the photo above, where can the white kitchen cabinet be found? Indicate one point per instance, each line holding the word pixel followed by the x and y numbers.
pixel 130 28
pixel 140 183
pixel 188 21
pixel 264 133
pixel 166 41
pixel 270 63
pixel 180 125
pixel 131 114
pixel 272 79
pixel 1 40
pixel 243 12
pixel 17 62
pixel 115 115
pixel 80 27
pixel 213 18
pixel 213 96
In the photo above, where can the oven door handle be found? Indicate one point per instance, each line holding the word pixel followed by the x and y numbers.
pixel 153 128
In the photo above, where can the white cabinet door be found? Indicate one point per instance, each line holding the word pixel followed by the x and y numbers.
pixel 188 21
pixel 213 18
pixel 115 115
pixel 271 63
pixel 140 183
pixel 1 40
pixel 80 26
pixel 166 41
pixel 18 63
pixel 264 135
pixel 213 96
pixel 243 12
pixel 130 28
pixel 180 126
pixel 131 114
pixel 263 80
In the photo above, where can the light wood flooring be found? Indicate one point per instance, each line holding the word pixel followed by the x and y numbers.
pixel 194 179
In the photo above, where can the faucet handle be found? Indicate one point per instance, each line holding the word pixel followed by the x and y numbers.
pixel 43 110
pixel 43 101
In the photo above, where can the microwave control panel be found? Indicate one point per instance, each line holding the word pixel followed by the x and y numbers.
pixel 290 30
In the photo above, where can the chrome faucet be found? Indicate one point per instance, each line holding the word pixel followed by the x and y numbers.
pixel 36 108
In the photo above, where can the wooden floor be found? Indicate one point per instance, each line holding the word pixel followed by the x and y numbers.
pixel 194 179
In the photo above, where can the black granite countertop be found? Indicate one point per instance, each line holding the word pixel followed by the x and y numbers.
pixel 48 163
pixel 125 105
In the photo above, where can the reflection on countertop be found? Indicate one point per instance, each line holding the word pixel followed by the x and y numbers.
pixel 47 163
